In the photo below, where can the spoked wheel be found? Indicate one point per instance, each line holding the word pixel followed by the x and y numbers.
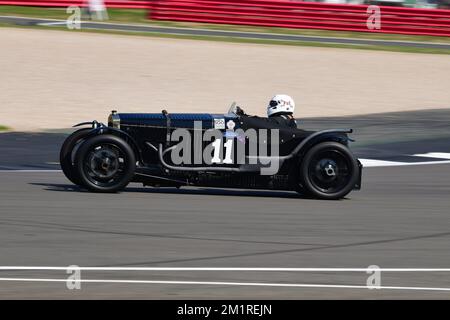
pixel 329 171
pixel 105 163
pixel 68 150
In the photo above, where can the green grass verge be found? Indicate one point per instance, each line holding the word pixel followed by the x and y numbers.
pixel 140 17
pixel 4 128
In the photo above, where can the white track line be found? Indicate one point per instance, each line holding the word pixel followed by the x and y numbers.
pixel 368 163
pixel 218 283
pixel 438 155
pixel 49 268
pixel 52 23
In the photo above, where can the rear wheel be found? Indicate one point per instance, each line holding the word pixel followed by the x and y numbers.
pixel 66 155
pixel 328 171
pixel 105 163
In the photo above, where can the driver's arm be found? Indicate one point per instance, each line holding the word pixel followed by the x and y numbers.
pixel 240 111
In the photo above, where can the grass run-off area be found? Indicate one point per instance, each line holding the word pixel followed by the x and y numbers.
pixel 4 128
pixel 138 16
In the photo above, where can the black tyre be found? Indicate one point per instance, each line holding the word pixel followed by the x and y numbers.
pixel 105 163
pixel 67 152
pixel 329 171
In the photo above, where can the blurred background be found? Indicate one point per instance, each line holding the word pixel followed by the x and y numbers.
pixel 148 57
pixel 383 71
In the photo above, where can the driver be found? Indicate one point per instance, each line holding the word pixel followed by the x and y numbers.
pixel 279 114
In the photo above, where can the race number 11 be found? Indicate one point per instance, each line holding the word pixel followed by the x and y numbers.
pixel 217 144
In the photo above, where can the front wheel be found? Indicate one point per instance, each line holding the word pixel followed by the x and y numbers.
pixel 68 150
pixel 329 171
pixel 105 163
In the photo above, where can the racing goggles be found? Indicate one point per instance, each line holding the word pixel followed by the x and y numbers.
pixel 273 103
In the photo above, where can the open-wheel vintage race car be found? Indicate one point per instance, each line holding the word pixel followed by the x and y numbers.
pixel 210 150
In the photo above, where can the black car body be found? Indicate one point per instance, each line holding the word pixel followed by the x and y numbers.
pixel 137 147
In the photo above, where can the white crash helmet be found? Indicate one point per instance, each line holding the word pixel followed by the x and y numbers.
pixel 280 103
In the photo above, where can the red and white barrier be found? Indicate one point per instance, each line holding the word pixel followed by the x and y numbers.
pixel 308 15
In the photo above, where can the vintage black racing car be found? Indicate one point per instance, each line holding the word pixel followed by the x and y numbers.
pixel 213 150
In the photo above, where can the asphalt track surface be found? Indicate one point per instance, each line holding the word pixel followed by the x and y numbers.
pixel 400 219
pixel 22 21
